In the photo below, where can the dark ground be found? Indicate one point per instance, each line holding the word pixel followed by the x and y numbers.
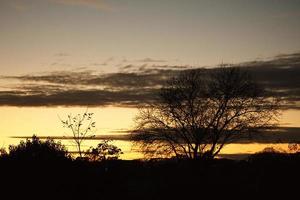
pixel 265 174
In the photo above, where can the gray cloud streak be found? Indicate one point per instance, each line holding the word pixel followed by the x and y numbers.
pixel 280 135
pixel 136 85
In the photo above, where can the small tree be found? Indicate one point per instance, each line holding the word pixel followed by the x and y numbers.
pixel 104 151
pixel 199 111
pixel 38 150
pixel 82 127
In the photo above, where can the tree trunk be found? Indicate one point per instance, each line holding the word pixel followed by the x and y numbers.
pixel 79 150
pixel 196 151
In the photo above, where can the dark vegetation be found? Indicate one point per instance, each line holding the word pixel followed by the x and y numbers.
pixel 45 170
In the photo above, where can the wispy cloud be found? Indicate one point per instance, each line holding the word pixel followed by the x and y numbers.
pixel 150 68
pixel 151 60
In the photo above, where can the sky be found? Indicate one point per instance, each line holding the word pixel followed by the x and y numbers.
pixel 63 56
pixel 42 35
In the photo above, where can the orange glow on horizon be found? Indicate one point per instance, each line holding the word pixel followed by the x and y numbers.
pixel 44 121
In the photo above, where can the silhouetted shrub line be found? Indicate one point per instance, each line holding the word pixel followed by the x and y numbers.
pixel 44 169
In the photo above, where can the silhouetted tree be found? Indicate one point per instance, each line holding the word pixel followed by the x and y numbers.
pixel 36 149
pixel 199 111
pixel 104 151
pixel 3 152
pixel 82 128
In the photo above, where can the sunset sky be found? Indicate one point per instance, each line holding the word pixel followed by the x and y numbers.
pixel 39 35
pixel 63 56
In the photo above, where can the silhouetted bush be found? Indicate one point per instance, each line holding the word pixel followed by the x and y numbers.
pixel 264 157
pixel 38 150
pixel 103 151
pixel 154 179
pixel 265 173
pixel 3 152
pixel 275 157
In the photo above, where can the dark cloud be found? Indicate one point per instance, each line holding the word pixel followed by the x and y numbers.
pixel 144 77
pixel 126 67
pixel 83 88
pixel 279 75
pixel 97 137
pixel 279 136
pixel 148 68
pixel 135 85
pixel 57 77
pixel 126 98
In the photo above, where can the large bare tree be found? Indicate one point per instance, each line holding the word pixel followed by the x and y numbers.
pixel 199 111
